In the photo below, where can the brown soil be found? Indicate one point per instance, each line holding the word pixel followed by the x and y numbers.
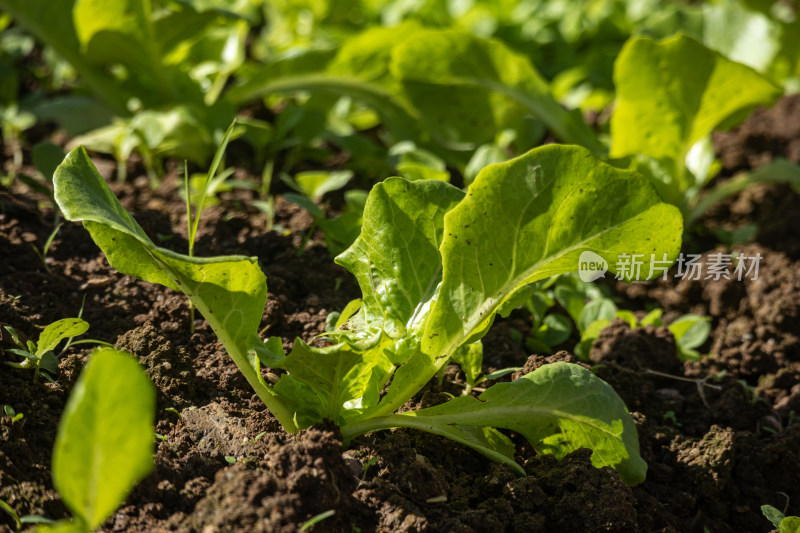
pixel 720 436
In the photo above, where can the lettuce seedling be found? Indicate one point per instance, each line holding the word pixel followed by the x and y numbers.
pixel 785 524
pixel 13 414
pixel 592 311
pixel 160 68
pixel 105 439
pixel 39 356
pixel 462 89
pixel 671 95
pixel 435 265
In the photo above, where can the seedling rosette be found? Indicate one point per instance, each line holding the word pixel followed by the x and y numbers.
pixel 435 265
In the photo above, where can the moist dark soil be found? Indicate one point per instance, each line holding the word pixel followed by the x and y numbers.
pixel 720 435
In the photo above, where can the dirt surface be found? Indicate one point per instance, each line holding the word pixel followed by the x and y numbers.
pixel 720 435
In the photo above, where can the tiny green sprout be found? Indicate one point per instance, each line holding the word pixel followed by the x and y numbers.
pixel 42 254
pixel 371 461
pixel 669 416
pixel 173 411
pixel 470 359
pixel 316 520
pixel 750 390
pixel 690 331
pixel 230 459
pixel 40 355
pixel 11 413
pixel 199 200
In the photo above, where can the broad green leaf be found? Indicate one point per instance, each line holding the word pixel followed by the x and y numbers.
pixel 627 316
pixel 58 330
pixel 110 30
pixel 588 337
pixel 543 209
pixel 468 89
pixel 485 155
pixel 673 93
pixel 536 346
pixel 416 164
pixel 368 55
pixel 525 220
pixel 396 114
pixel 230 292
pixel 341 377
pixel 105 437
pixel 690 331
pixel 51 23
pixel 396 258
pixel 46 158
pixel 75 113
pixel 49 363
pixel 484 439
pixel 570 299
pixel 559 408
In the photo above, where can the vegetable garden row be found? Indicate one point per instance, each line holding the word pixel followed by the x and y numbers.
pixel 399 266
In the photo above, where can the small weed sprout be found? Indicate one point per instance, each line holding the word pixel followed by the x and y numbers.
pixel 12 414
pixel 193 220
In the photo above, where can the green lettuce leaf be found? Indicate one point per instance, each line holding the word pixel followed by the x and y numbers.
pixel 468 89
pixel 525 220
pixel 230 292
pixel 396 257
pixel 105 437
pixel 57 331
pixel 559 408
pixel 340 377
pixel 671 95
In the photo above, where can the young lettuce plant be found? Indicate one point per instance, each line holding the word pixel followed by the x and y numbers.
pixel 435 265
pixel 449 87
pixel 671 95
pixel 40 356
pixel 159 67
pixel 105 439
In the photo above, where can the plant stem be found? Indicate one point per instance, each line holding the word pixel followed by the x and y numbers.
pixel 351 431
